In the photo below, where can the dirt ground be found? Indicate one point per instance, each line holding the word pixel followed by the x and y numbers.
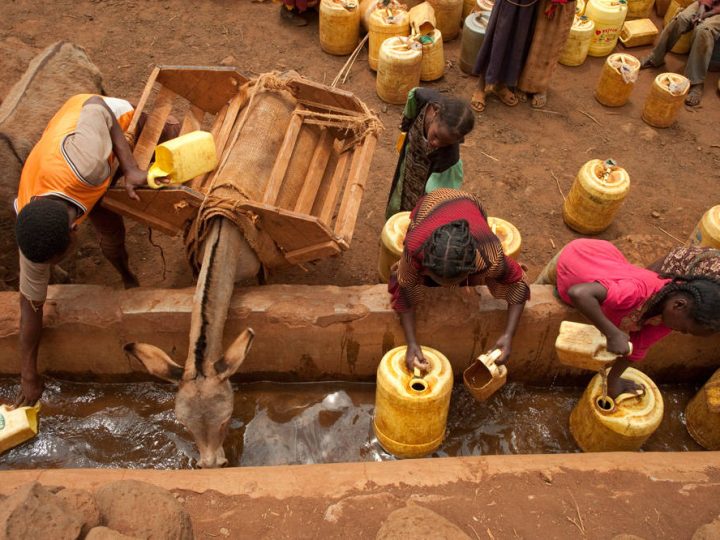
pixel 571 504
pixel 515 159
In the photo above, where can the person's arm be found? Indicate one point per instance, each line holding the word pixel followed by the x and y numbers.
pixel 134 175
pixel 31 383
pixel 413 357
pixel 616 384
pixel 504 342
pixel 587 299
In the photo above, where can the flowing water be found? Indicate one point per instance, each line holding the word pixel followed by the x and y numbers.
pixel 133 425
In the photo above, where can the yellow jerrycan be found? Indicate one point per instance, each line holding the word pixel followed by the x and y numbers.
pixel 707 231
pixel 432 65
pixel 411 410
pixel 17 425
pixel 392 239
pixel 608 16
pixel 183 158
pixel 638 33
pixel 449 16
pixel 399 67
pixel 580 8
pixel 468 7
pixel 621 425
pixel 596 196
pixel 666 96
pixel 339 26
pixel 384 23
pixel 422 20
pixel 583 346
pixel 508 235
pixel 617 79
pixel 639 9
pixel 484 377
pixel 578 42
pixel 702 414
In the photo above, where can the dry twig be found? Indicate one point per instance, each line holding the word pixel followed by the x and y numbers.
pixel 658 227
pixel 473 530
pixel 590 116
pixel 558 185
pixel 579 521
pixel 488 155
pixel 546 111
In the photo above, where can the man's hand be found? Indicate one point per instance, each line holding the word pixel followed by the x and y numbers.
pixel 618 343
pixel 135 178
pixel 414 359
pixel 504 343
pixel 31 389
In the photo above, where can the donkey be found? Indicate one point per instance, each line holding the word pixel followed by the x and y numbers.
pixel 204 402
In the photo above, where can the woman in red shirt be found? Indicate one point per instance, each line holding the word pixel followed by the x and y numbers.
pixel 630 304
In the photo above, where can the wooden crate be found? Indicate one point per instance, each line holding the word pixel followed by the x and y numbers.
pixel 314 223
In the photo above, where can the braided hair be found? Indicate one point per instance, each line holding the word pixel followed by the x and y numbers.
pixel 704 291
pixel 456 115
pixel 450 251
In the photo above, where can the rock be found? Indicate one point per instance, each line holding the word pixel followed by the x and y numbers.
pixel 140 509
pixel 655 214
pixel 83 504
pixel 229 60
pixel 709 531
pixel 546 477
pixel 32 512
pixel 415 521
pixel 648 134
pixel 103 533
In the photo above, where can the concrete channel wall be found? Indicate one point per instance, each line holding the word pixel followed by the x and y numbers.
pixel 311 333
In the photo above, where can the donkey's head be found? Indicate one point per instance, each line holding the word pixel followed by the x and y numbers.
pixel 204 401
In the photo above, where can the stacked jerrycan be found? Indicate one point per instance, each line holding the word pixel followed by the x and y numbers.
pixel 411 409
pixel 578 42
pixel 399 69
pixel 598 423
pixel 384 23
pixel 702 415
pixel 473 35
pixel 449 16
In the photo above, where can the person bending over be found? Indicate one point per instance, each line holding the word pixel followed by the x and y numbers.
pixel 449 243
pixel 630 304
pixel 65 176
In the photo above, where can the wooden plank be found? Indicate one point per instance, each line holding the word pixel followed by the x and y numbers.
pixel 207 87
pixel 354 189
pixel 168 209
pixel 331 198
pixel 315 173
pixel 139 109
pixel 290 230
pixel 153 127
pixel 313 253
pixel 282 160
pixel 307 90
pixel 193 120
pixel 201 181
pixel 233 110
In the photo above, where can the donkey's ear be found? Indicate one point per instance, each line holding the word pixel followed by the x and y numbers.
pixel 155 361
pixel 235 355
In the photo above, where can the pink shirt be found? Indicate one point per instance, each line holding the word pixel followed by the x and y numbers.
pixel 628 287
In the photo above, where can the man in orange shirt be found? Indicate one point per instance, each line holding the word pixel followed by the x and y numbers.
pixel 65 176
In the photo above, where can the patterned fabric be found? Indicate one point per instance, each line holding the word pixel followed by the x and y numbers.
pixel 502 275
pixel 417 164
pixel 692 261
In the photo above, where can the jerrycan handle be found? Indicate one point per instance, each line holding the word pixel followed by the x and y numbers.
pixel 155 172
pixel 601 352
pixel 488 360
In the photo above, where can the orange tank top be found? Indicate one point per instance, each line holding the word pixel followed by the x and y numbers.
pixel 47 172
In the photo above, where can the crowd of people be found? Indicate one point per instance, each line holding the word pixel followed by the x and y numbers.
pixel 449 242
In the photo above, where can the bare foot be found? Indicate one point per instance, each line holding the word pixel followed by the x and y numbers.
pixel 539 100
pixel 477 102
pixel 506 95
pixel 694 95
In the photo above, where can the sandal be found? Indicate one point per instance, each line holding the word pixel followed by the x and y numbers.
pixel 477 102
pixel 506 95
pixel 694 95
